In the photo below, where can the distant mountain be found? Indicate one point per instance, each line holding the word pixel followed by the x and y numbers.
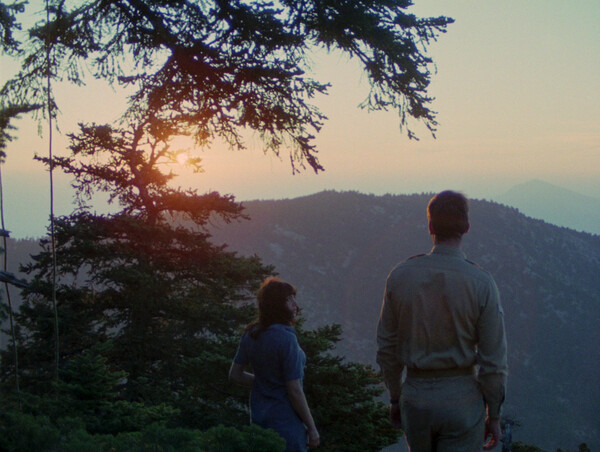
pixel 18 252
pixel 339 247
pixel 555 205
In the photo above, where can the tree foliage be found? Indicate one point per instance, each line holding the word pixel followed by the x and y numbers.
pixel 583 447
pixel 151 311
pixel 218 68
pixel 146 277
pixel 9 24
pixel 519 446
pixel 30 433
pixel 342 396
pixel 7 114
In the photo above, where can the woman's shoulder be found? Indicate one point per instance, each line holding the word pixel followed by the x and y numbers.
pixel 284 332
pixel 280 327
pixel 275 331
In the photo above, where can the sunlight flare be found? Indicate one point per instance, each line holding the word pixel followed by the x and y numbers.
pixel 182 158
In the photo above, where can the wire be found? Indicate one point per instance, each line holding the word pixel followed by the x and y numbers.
pixel 8 299
pixel 53 243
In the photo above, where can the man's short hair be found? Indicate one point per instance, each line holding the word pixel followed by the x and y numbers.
pixel 448 213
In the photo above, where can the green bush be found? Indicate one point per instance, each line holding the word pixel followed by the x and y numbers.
pixel 250 438
pixel 521 447
pixel 21 432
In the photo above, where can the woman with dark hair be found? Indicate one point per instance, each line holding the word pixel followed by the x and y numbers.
pixel 270 347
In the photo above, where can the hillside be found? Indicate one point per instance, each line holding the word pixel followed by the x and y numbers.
pixel 18 252
pixel 339 247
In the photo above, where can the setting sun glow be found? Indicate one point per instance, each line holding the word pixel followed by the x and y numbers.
pixel 182 158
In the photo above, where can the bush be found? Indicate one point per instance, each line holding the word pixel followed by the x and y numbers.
pixel 21 432
pixel 250 438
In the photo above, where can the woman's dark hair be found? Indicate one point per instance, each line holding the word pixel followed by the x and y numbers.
pixel 448 213
pixel 271 300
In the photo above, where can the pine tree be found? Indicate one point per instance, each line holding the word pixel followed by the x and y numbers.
pixel 343 396
pixel 219 68
pixel 147 280
pixel 9 23
pixel 146 277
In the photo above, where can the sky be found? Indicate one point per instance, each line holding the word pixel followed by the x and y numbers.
pixel 517 91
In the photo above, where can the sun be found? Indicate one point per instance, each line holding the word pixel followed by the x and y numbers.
pixel 182 158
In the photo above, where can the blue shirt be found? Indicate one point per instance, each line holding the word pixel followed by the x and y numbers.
pixel 276 358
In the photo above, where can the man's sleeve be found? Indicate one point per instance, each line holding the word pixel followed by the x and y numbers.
pixel 491 349
pixel 387 339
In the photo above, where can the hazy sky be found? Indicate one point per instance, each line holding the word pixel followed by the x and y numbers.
pixel 517 93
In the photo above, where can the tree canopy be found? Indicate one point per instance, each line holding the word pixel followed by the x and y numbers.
pixel 218 68
pixel 150 309
pixel 151 312
pixel 9 24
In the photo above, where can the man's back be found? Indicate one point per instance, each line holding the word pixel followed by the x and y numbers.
pixel 439 299
pixel 442 321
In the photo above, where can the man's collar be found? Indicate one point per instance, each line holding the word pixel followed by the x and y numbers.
pixel 448 250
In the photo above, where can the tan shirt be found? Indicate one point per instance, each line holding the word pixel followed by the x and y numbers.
pixel 441 311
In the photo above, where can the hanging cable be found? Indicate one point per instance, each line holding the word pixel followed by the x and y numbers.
pixel 52 241
pixel 8 300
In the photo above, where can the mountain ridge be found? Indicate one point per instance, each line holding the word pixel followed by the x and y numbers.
pixel 338 248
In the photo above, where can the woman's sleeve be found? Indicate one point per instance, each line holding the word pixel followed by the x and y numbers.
pixel 293 359
pixel 241 356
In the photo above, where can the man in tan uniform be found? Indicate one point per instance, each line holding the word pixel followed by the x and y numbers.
pixel 442 321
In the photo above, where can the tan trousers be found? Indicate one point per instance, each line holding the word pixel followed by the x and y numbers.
pixel 445 414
